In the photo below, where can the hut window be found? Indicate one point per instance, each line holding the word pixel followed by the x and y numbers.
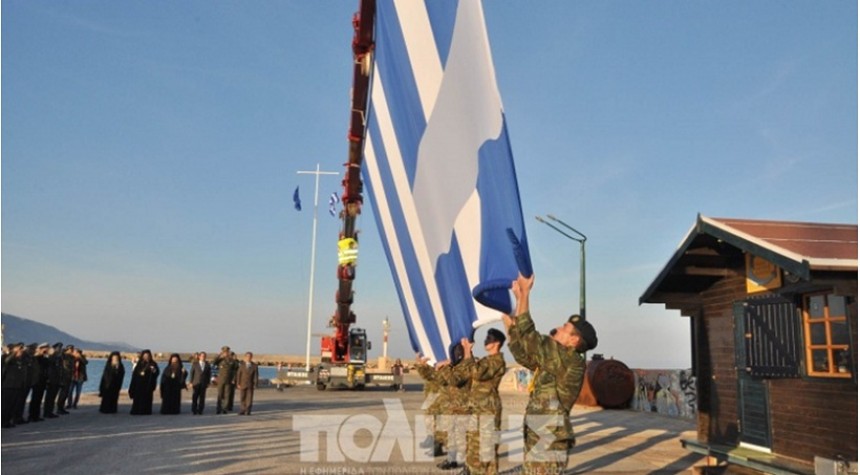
pixel 827 336
pixel 771 337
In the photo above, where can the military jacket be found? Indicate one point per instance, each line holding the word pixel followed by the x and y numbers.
pixel 227 366
pixel 457 386
pixel 15 374
pixel 436 399
pixel 558 370
pixel 485 375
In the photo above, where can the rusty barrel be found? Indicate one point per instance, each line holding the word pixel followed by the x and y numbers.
pixel 611 382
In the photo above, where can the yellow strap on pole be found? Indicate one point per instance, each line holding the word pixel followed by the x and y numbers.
pixel 534 378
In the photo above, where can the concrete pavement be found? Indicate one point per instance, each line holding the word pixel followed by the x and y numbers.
pixel 305 431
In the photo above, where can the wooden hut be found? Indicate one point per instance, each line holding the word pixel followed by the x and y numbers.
pixel 773 321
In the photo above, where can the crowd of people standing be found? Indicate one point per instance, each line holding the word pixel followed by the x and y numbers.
pixel 52 376
pixel 52 379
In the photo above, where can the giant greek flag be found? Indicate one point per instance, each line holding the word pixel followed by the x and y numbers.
pixel 440 172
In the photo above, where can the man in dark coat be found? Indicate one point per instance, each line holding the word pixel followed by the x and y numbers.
pixel 201 374
pixel 232 392
pixel 14 382
pixel 246 380
pixel 29 360
pixel 144 379
pixel 55 364
pixel 111 383
pixel 172 383
pixel 40 382
pixel 66 365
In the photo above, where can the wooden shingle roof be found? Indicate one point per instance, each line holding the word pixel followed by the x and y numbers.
pixel 715 245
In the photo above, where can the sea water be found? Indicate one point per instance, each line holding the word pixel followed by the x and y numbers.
pixel 95 368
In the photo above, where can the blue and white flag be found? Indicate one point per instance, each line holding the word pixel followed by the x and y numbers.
pixel 439 169
pixel 333 200
pixel 297 202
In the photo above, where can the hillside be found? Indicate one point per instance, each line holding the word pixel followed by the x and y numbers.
pixel 17 329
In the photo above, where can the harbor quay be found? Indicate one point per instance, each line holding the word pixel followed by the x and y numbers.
pixel 300 430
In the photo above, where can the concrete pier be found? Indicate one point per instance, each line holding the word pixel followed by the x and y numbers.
pixel 304 431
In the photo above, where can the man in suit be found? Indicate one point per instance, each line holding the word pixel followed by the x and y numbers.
pixel 246 380
pixel 201 374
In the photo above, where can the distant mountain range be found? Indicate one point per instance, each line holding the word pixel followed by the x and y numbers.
pixel 17 329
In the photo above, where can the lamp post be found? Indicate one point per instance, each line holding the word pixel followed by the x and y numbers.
pixel 581 240
pixel 385 327
pixel 317 174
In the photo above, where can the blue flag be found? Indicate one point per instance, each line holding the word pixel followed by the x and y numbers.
pixel 297 202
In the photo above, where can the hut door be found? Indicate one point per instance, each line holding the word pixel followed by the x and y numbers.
pixel 753 409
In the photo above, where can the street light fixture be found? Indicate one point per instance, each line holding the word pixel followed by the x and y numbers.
pixel 581 240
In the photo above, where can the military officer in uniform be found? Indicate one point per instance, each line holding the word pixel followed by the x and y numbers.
pixel 485 405
pixel 52 387
pixel 40 382
pixel 232 382
pixel 66 364
pixel 559 365
pixel 15 382
pixel 225 363
pixel 454 420
pixel 435 404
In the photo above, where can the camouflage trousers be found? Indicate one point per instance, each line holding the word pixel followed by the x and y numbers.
pixel 454 426
pixel 546 445
pixel 482 444
pixel 432 409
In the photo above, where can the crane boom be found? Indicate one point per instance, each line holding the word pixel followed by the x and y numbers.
pixel 362 47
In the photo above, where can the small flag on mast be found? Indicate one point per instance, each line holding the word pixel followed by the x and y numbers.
pixel 297 202
pixel 332 201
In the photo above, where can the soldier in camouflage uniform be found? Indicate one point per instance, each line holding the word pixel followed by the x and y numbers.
pixel 455 418
pixel 226 364
pixel 485 405
pixel 559 365
pixel 435 404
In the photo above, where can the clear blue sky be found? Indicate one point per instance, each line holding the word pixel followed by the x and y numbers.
pixel 150 150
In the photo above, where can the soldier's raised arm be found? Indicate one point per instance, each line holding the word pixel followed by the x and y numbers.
pixel 525 342
pixel 424 370
pixel 463 371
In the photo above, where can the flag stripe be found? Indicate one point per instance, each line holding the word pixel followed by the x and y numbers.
pixel 399 185
pixel 393 69
pixel 393 247
pixel 421 51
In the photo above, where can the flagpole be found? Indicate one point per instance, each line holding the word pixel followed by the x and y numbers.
pixel 316 174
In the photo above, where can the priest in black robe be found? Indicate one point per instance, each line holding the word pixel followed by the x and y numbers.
pixel 144 379
pixel 172 384
pixel 111 383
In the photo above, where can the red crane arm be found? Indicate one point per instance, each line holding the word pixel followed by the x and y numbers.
pixel 362 48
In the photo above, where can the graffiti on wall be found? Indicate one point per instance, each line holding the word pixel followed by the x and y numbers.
pixel 516 379
pixel 667 392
